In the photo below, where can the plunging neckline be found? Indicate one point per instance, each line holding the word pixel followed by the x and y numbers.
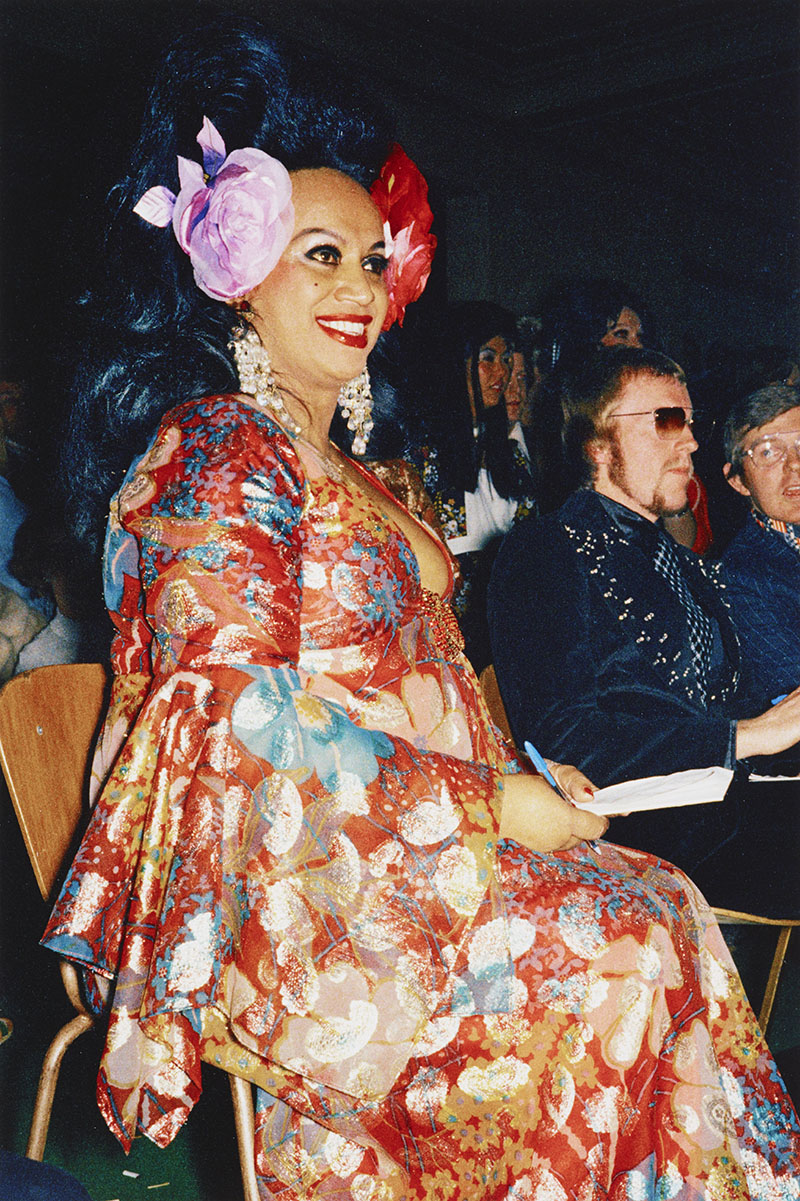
pixel 347 482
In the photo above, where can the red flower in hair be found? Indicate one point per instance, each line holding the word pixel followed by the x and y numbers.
pixel 401 194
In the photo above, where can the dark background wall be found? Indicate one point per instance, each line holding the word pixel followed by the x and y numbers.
pixel 652 140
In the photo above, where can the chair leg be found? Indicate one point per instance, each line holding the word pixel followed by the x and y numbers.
pixel 48 1079
pixel 774 977
pixel 242 1097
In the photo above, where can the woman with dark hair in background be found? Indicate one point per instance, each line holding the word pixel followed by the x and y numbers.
pixel 469 468
pixel 312 860
pixel 588 313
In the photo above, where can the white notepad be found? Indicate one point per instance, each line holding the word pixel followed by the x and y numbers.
pixel 696 787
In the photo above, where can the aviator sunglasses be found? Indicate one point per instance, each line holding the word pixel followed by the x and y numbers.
pixel 669 421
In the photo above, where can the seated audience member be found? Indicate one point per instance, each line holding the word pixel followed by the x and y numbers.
pixel 48 561
pixel 522 382
pixel 465 457
pixel 762 563
pixel 519 436
pixel 623 657
pixel 581 313
pixel 516 394
pixel 22 614
pixel 577 317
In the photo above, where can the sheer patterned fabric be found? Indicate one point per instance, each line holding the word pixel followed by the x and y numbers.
pixel 293 869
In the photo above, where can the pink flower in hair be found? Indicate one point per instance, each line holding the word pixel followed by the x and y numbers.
pixel 401 194
pixel 233 216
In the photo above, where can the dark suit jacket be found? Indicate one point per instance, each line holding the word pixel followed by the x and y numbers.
pixel 591 649
pixel 592 656
pixel 762 577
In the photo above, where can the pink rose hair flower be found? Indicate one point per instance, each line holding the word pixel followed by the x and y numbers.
pixel 233 216
pixel 401 194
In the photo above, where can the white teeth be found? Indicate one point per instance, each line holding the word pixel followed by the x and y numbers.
pixel 344 327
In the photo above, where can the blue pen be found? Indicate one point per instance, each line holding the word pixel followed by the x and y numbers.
pixel 540 765
pixel 776 699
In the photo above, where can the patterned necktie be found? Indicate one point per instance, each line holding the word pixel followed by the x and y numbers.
pixel 668 565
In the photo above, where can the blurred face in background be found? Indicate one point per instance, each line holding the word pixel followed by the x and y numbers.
pixel 625 331
pixel 517 389
pixel 494 372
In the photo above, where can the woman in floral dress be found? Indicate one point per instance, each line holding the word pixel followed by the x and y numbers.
pixel 312 860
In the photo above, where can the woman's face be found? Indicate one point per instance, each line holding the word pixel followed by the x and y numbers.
pixel 319 312
pixel 625 331
pixel 494 371
pixel 517 389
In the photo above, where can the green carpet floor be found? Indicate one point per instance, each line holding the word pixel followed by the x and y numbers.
pixel 201 1164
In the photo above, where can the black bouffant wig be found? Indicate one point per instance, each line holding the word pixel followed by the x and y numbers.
pixel 150 337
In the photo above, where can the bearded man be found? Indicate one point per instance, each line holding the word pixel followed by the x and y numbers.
pixel 613 646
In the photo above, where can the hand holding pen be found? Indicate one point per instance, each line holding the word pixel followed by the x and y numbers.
pixel 577 790
pixel 539 815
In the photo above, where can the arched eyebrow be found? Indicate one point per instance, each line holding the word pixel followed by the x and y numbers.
pixel 330 233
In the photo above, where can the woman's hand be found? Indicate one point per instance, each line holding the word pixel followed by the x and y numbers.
pixel 770 732
pixel 578 787
pixel 535 816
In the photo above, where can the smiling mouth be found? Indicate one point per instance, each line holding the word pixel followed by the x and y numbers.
pixel 350 331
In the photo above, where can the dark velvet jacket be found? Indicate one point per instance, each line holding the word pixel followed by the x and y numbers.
pixel 762 576
pixel 591 649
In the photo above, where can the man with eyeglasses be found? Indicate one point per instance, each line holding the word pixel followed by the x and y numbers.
pixel 613 646
pixel 762 562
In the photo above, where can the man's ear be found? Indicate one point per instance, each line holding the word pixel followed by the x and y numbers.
pixel 598 451
pixel 735 480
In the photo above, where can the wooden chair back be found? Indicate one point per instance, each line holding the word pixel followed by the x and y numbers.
pixel 494 701
pixel 49 718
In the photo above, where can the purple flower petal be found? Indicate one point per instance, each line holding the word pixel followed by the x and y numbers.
pixel 213 148
pixel 234 222
pixel 156 206
pixel 190 174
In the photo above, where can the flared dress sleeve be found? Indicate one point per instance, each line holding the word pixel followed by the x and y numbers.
pixel 325 889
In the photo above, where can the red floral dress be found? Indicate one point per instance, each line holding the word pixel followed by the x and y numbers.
pixel 293 870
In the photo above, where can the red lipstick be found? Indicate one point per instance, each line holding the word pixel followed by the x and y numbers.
pixel 349 330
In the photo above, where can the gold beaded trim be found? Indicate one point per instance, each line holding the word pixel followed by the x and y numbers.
pixel 445 629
